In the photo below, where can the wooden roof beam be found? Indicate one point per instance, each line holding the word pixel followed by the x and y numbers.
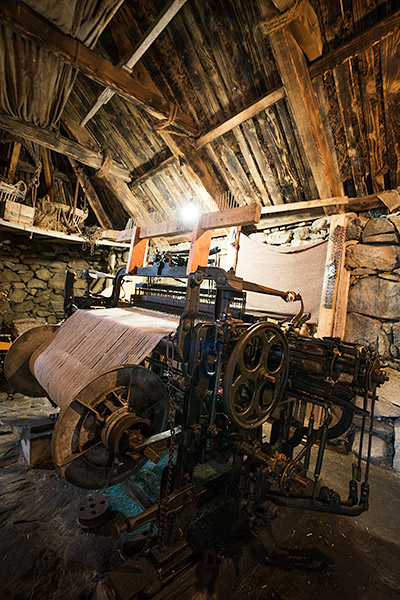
pixel 155 170
pixel 28 23
pixel 196 169
pixel 157 27
pixel 355 46
pixel 304 26
pixel 242 116
pixel 118 187
pixel 302 101
pixel 61 144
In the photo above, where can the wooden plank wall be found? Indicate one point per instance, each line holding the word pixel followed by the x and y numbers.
pixel 361 97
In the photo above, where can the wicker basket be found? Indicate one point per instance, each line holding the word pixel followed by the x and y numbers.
pixel 56 216
pixel 14 193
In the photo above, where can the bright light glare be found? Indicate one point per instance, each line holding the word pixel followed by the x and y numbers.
pixel 189 213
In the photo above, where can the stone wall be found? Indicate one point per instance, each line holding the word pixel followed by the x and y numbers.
pixel 373 258
pixel 32 275
pixel 295 235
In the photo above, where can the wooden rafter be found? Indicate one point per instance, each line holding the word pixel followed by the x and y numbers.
pixel 13 161
pixel 359 44
pixel 61 144
pixel 117 186
pixel 48 172
pixel 29 24
pixel 157 27
pixel 155 170
pixel 242 116
pixel 294 73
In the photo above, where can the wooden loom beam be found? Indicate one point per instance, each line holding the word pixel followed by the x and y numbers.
pixel 243 215
pixel 202 233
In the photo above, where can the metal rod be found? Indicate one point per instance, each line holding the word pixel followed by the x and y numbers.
pixel 365 407
pixel 370 432
pixel 309 434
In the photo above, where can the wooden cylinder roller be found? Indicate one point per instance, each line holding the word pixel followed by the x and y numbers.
pixel 90 368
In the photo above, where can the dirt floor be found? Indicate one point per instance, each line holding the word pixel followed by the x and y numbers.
pixel 44 554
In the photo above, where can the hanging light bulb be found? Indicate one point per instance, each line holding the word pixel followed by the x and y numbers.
pixel 189 213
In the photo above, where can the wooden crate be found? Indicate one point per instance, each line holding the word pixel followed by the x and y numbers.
pixel 16 212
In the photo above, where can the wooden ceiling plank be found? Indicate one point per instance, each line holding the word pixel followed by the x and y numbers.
pixel 242 116
pixel 390 51
pixel 29 24
pixel 156 28
pixel 121 191
pixel 301 171
pixel 300 94
pixel 372 107
pixel 348 111
pixel 361 42
pixel 91 195
pixel 61 144
pixel 252 166
pixel 278 155
pixel 196 168
pixel 325 109
pixel 274 193
pixel 156 170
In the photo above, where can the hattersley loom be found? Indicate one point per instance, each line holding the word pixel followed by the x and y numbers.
pixel 131 383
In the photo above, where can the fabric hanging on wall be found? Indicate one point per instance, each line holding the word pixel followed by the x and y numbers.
pixel 34 84
pixel 300 269
pixel 93 341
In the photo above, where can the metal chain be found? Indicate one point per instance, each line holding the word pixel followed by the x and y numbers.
pixel 163 502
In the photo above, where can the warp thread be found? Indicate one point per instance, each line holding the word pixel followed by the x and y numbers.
pixel 90 342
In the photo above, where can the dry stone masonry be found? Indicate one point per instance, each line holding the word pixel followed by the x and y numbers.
pixel 295 235
pixel 32 276
pixel 373 258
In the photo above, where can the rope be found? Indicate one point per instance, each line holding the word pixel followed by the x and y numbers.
pixel 91 235
pixel 106 165
pixel 173 109
pixel 283 18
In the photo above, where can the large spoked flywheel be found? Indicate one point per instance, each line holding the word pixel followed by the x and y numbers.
pixel 95 434
pixel 256 375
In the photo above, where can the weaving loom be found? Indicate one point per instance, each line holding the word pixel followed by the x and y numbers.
pixel 132 383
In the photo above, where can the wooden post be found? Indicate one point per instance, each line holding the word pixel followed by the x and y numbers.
pixel 14 161
pixel 199 249
pixel 47 173
pixel 137 251
pixel 332 313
